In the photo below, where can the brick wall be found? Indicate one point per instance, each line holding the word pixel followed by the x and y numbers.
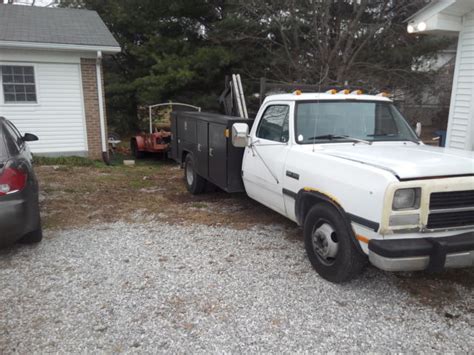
pixel 91 106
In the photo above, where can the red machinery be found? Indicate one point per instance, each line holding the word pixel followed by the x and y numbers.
pixel 158 138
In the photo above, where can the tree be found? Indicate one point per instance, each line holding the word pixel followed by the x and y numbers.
pixel 181 49
pixel 165 54
pixel 362 42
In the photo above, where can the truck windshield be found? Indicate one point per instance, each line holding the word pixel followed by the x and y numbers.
pixel 336 121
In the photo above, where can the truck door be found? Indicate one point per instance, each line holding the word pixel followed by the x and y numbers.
pixel 264 160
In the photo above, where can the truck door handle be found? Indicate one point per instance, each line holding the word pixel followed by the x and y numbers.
pixel 211 152
pixel 199 147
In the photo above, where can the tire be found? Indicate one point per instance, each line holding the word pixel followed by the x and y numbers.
pixel 330 245
pixel 32 237
pixel 195 183
pixel 134 148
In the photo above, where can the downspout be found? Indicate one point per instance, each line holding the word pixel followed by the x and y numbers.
pixel 105 155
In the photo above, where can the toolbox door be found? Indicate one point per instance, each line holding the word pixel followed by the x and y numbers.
pixel 202 148
pixel 218 154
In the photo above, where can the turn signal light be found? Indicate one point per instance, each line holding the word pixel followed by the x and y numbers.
pixel 12 180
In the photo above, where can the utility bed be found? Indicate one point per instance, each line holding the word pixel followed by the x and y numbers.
pixel 207 137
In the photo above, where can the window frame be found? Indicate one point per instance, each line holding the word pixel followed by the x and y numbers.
pixel 271 104
pixel 36 85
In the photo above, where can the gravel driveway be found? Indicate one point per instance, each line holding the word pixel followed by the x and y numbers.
pixel 152 286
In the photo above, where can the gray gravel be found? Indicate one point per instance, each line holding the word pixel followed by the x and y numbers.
pixel 154 287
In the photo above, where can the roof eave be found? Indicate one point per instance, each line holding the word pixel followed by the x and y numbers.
pixel 60 47
pixel 435 20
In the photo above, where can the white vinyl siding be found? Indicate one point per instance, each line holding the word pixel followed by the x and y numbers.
pixel 58 116
pixel 461 116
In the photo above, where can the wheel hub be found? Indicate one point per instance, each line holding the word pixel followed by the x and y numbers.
pixel 325 243
pixel 189 174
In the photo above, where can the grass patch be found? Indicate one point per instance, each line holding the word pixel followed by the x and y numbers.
pixel 67 161
pixel 198 205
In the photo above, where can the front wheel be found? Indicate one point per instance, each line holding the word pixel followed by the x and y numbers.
pixel 330 245
pixel 195 183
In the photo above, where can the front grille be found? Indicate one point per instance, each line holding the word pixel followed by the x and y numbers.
pixel 451 219
pixel 451 199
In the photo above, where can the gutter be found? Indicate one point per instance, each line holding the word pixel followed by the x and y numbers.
pixel 100 98
pixel 60 46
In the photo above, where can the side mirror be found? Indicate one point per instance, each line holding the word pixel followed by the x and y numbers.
pixel 28 137
pixel 240 135
pixel 418 129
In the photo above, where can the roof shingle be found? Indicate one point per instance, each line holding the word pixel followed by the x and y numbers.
pixel 53 25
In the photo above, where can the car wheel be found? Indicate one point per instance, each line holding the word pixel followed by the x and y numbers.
pixel 331 246
pixel 195 183
pixel 134 148
pixel 32 237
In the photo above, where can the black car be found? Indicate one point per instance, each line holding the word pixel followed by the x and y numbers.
pixel 19 205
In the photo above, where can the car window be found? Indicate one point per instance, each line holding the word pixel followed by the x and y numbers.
pixel 10 140
pixel 15 134
pixel 3 147
pixel 274 124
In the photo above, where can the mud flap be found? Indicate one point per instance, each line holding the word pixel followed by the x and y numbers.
pixel 437 255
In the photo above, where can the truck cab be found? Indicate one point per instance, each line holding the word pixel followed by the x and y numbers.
pixel 349 169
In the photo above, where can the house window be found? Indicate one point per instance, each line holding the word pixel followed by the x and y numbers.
pixel 18 83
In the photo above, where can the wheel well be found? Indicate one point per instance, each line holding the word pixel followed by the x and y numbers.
pixel 305 200
pixel 306 203
pixel 183 157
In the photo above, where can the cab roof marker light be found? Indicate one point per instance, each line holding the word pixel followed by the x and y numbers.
pixel 344 92
pixel 356 92
pixel 332 92
pixel 297 92
pixel 383 94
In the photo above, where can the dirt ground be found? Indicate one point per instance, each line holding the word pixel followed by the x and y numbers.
pixel 155 190
pixel 74 196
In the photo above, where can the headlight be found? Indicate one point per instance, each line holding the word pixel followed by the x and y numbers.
pixel 405 199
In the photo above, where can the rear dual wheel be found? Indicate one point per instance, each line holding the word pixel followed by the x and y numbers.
pixel 194 182
pixel 330 245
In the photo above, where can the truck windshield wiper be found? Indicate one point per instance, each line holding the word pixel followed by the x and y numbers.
pixel 382 135
pixel 393 135
pixel 335 136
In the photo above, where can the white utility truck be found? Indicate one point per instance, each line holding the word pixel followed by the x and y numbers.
pixel 349 169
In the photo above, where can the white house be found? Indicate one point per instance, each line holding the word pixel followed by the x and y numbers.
pixel 51 77
pixel 454 17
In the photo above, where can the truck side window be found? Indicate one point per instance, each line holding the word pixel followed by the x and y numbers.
pixel 274 124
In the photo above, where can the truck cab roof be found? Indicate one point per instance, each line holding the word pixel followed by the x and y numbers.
pixel 325 96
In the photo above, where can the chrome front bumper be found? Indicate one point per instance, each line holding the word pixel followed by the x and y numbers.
pixel 432 254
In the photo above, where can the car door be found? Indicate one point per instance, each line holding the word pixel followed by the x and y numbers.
pixel 264 160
